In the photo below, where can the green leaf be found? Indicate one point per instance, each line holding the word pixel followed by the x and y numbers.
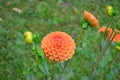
pixel 36 38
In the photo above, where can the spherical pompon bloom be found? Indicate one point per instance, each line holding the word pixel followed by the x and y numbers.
pixel 91 19
pixel 58 46
pixel 109 31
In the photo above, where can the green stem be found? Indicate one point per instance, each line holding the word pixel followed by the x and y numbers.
pixel 52 70
pixel 59 77
pixel 37 69
pixel 108 67
pixel 36 59
pixel 101 55
pixel 80 36
pixel 78 40
pixel 108 26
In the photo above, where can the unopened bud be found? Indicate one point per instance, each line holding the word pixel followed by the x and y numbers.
pixel 111 11
pixel 84 24
pixel 118 48
pixel 28 37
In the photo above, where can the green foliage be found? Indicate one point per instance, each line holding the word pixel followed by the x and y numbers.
pixel 118 25
pixel 36 38
pixel 84 24
pixel 17 62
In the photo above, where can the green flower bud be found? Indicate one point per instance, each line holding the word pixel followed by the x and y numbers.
pixel 84 24
pixel 118 48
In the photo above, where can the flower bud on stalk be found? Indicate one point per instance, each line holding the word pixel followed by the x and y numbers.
pixel 111 11
pixel 91 19
pixel 118 48
pixel 84 24
pixel 28 37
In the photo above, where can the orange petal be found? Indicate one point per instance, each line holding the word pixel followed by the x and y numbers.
pixel 91 19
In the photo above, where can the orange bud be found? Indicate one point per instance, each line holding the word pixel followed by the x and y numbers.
pixel 117 38
pixel 91 19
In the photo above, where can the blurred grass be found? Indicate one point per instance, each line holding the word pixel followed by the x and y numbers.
pixel 44 16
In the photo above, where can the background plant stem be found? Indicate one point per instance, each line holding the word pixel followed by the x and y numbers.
pixel 52 70
pixel 108 26
pixel 36 58
pixel 101 55
pixel 80 36
pixel 59 77
pixel 77 42
pixel 109 65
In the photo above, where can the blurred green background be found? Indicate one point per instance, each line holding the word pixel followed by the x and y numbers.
pixel 17 61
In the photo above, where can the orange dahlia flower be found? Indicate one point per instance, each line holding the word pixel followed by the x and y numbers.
pixel 91 19
pixel 58 46
pixel 117 38
pixel 109 31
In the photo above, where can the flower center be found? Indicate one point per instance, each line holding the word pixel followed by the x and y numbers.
pixel 58 39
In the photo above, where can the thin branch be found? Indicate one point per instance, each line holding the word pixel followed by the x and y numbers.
pixel 59 77
pixel 108 26
pixel 77 42
pixel 80 36
pixel 36 59
pixel 101 55
pixel 111 63
pixel 52 70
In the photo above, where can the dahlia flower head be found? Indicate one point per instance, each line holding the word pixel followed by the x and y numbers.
pixel 117 38
pixel 58 46
pixel 109 32
pixel 91 19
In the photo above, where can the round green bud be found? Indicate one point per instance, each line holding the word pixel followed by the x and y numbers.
pixel 84 24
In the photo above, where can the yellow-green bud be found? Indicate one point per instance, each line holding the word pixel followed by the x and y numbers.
pixel 28 37
pixel 109 10
pixel 118 48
